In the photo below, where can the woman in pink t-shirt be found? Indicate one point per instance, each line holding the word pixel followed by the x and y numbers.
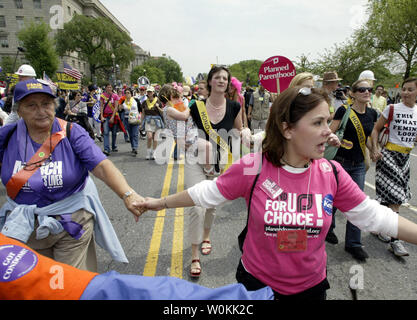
pixel 290 191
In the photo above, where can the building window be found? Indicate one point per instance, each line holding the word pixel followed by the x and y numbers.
pixel 37 4
pixel 69 10
pixel 1 4
pixel 18 4
pixel 4 42
pixel 20 22
pixel 2 22
pixel 38 19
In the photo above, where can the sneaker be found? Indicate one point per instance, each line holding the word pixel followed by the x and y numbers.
pixel 115 150
pixel 332 238
pixel 398 248
pixel 107 153
pixel 384 238
pixel 148 155
pixel 357 252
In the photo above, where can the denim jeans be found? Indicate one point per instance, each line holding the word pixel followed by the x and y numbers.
pixel 133 131
pixel 125 124
pixel 106 135
pixel 357 172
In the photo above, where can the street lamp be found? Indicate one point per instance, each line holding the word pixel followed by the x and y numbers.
pixel 113 57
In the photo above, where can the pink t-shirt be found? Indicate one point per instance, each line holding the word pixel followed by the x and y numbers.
pixel 296 208
pixel 110 106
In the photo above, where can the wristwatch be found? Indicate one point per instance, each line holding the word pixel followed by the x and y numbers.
pixel 127 194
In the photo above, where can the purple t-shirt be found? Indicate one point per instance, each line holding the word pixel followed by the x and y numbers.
pixel 65 175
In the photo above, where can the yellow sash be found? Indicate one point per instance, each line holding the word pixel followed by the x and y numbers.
pixel 108 103
pixel 152 104
pixel 213 134
pixel 359 130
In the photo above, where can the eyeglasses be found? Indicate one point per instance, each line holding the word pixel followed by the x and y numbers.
pixel 33 166
pixel 363 90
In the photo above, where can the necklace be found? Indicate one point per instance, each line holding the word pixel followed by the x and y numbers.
pixel 305 166
pixel 213 106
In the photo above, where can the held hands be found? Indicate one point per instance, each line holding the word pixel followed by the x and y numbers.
pixel 135 204
pixel 155 204
pixel 375 154
pixel 139 205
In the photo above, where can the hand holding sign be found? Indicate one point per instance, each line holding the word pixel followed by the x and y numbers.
pixel 276 74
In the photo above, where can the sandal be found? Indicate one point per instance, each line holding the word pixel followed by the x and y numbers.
pixel 195 274
pixel 206 247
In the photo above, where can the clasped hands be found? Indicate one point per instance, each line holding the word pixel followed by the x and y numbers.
pixel 138 205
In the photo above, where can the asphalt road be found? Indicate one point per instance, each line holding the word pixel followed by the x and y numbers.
pixel 158 244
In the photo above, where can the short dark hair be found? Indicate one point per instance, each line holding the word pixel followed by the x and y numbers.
pixel 214 70
pixel 289 107
pixel 408 80
pixel 380 86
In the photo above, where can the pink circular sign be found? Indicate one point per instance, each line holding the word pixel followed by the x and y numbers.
pixel 276 74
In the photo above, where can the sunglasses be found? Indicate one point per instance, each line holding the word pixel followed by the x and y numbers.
pixel 34 165
pixel 363 90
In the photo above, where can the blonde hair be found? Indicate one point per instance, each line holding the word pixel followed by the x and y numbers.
pixel 300 78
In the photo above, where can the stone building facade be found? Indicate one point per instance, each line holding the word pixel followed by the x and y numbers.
pixel 14 14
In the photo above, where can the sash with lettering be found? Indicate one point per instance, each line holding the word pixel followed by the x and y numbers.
pixel 117 120
pixel 19 179
pixel 359 131
pixel 213 134
pixel 27 275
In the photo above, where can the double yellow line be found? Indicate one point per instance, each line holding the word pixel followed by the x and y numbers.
pixel 178 233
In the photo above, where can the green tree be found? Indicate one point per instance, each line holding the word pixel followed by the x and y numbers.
pixel 154 75
pixel 170 68
pixel 246 70
pixel 352 57
pixel 95 40
pixel 392 27
pixel 40 49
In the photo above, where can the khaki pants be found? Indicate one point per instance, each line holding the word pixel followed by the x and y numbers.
pixel 63 248
pixel 200 218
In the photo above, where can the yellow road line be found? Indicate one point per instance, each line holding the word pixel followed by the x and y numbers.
pixel 153 253
pixel 178 234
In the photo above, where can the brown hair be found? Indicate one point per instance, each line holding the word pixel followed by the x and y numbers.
pixel 289 107
pixel 213 71
pixel 355 85
pixel 408 80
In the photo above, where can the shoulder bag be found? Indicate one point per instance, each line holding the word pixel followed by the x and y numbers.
pixel 330 151
pixel 384 134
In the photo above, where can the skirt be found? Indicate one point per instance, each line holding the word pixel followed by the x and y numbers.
pixel 392 177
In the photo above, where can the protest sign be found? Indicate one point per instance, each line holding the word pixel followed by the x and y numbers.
pixel 276 74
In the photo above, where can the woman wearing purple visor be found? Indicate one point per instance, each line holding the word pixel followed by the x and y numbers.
pixel 52 203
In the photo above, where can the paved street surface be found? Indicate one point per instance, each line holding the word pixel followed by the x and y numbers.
pixel 158 244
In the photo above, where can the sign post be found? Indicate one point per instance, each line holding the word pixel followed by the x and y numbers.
pixel 143 81
pixel 276 74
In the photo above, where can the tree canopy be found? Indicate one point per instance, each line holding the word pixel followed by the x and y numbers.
pixel 40 49
pixel 95 40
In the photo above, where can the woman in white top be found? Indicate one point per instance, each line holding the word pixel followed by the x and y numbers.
pixel 132 118
pixel 393 161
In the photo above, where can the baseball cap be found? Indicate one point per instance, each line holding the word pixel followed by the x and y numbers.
pixel 25 88
pixel 26 70
pixel 150 88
